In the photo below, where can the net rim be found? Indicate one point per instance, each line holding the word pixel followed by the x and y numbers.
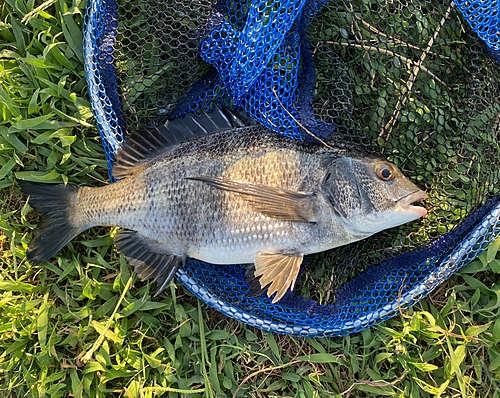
pixel 474 244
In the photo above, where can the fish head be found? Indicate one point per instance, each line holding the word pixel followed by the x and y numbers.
pixel 371 195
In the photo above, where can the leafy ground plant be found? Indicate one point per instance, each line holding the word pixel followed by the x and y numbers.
pixel 82 325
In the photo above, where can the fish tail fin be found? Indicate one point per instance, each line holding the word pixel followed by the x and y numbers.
pixel 55 203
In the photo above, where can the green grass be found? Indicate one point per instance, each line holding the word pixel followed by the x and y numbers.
pixel 83 325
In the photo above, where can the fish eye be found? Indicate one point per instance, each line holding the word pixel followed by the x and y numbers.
pixel 384 172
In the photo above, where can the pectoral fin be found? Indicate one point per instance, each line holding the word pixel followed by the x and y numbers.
pixel 278 272
pixel 148 258
pixel 279 203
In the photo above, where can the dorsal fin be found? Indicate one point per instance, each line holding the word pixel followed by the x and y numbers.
pixel 140 147
pixel 148 143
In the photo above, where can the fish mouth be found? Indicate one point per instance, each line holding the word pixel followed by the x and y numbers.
pixel 406 202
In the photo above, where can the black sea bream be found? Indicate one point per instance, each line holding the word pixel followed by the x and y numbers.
pixel 227 195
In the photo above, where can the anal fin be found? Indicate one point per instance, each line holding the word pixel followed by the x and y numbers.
pixel 275 271
pixel 149 258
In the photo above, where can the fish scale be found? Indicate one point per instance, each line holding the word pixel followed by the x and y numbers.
pixel 202 219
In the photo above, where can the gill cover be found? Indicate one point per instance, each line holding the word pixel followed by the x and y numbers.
pixel 371 195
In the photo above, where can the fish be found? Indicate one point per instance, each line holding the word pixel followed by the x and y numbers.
pixel 220 188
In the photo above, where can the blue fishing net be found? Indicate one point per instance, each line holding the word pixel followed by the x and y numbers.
pixel 484 17
pixel 415 82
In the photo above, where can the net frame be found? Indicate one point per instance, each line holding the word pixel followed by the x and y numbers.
pixel 293 315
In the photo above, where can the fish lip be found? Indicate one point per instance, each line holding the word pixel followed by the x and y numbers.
pixel 406 202
pixel 413 197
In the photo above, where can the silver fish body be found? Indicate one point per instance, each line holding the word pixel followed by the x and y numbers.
pixel 244 195
pixel 196 220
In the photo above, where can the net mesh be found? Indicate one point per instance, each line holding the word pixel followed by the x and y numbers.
pixel 415 82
